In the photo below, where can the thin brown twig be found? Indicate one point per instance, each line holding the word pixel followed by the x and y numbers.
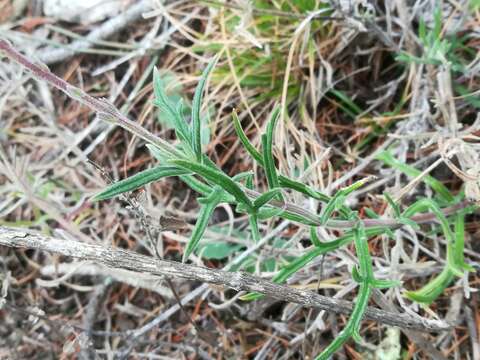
pixel 239 281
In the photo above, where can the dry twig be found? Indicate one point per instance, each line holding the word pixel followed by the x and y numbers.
pixel 239 281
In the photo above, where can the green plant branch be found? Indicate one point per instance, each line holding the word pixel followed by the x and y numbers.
pixel 109 113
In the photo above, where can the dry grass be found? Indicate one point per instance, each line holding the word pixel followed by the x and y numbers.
pixel 346 97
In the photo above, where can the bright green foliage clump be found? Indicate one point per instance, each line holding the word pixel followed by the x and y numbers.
pixel 194 168
pixel 262 43
pixel 455 265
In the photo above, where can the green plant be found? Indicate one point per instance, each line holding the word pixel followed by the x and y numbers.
pixel 262 33
pixel 455 265
pixel 438 48
pixel 188 161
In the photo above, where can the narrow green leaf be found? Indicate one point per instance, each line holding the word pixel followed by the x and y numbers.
pixel 393 205
pixel 244 139
pixel 407 221
pixel 353 324
pixel 428 204
pixel 273 122
pixel 196 106
pixel 328 210
pixel 459 246
pixel 251 296
pixel 360 240
pixel 265 198
pixel 387 158
pixel 433 289
pixel 138 180
pixel 422 30
pixel 385 284
pixel 253 222
pixel 208 206
pixel 175 114
pixel 249 182
pixel 357 277
pixel 314 237
pixel 283 181
pixel 270 170
pixel 196 185
pixel 437 29
pixel 217 177
pixel 371 214
pixel 303 260
pixel 302 188
pixel 243 175
pixel 267 213
pixel 218 250
pixel 267 151
pixel 336 202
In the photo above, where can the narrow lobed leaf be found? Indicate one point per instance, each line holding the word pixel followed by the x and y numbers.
pixel 387 158
pixel 175 114
pixel 302 188
pixel 267 151
pixel 138 180
pixel 433 289
pixel 265 198
pixel 196 134
pixel 208 206
pixel 393 205
pixel 254 153
pixel 218 178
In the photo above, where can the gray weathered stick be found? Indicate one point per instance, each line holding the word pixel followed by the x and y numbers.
pixel 129 260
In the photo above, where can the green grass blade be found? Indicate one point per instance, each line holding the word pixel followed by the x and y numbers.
pixel 138 180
